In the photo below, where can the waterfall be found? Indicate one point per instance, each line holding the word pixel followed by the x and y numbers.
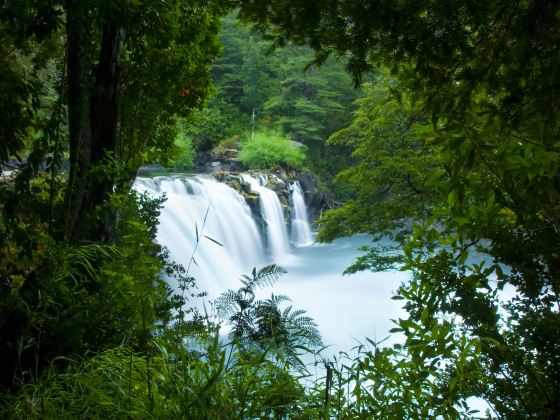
pixel 300 230
pixel 201 206
pixel 312 270
pixel 276 232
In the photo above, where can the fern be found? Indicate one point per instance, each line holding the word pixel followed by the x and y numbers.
pixel 266 276
pixel 263 326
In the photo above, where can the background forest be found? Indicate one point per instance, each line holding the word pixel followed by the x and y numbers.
pixel 277 94
pixel 450 147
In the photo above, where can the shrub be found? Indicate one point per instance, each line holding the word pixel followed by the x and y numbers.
pixel 185 158
pixel 229 143
pixel 269 149
pixel 208 126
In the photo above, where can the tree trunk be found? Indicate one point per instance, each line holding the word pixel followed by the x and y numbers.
pixel 104 105
pixel 78 121
pixel 93 128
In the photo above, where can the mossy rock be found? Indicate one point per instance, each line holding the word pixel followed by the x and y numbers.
pixel 235 184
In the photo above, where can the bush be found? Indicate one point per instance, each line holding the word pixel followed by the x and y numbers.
pixel 208 126
pixel 269 149
pixel 185 151
pixel 229 143
pixel 81 297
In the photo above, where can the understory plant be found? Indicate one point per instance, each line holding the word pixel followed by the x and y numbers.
pixel 186 374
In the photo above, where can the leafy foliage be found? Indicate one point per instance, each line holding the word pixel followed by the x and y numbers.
pixel 391 169
pixel 261 325
pixel 207 127
pixel 64 299
pixel 28 54
pixel 411 381
pixel 484 74
pixel 172 45
pixel 184 150
pixel 269 149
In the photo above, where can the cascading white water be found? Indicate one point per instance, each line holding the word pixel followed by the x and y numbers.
pixel 300 230
pixel 312 270
pixel 276 232
pixel 207 208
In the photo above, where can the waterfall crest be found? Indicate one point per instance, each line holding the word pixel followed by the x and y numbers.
pixel 199 207
pixel 300 229
pixel 202 206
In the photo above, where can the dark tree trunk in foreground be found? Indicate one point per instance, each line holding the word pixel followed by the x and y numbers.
pixel 104 107
pixel 93 120
pixel 78 121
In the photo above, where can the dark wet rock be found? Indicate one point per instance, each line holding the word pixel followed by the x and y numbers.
pixel 280 181
pixel 316 200
pixel 245 187
pixel 223 160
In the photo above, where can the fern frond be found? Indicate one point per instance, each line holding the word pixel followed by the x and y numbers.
pixel 266 276
pixel 292 316
pixel 278 299
pixel 226 303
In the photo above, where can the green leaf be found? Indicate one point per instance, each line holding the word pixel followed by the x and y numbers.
pixel 213 240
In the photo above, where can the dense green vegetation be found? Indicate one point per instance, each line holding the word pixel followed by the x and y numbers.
pixel 484 75
pixel 453 150
pixel 267 149
pixel 263 90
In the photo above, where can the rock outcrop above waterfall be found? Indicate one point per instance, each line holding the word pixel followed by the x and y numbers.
pixel 279 181
pixel 218 161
